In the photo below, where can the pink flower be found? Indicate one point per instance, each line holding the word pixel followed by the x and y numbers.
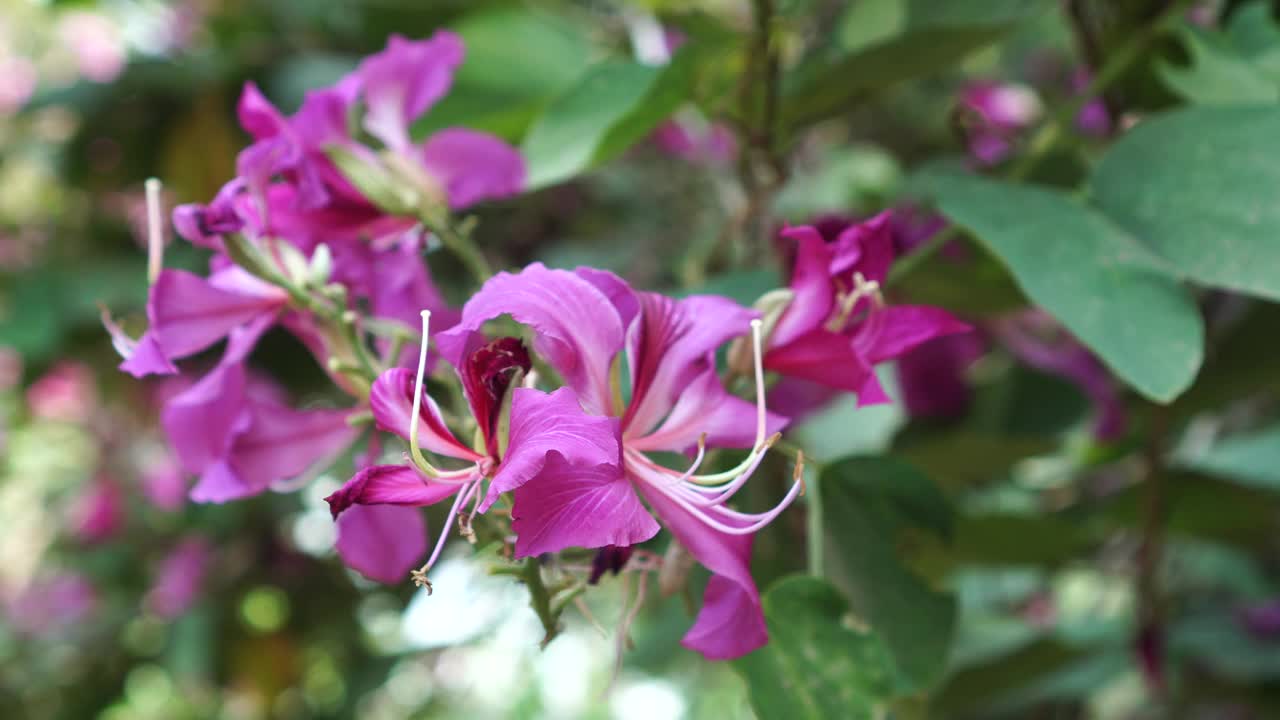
pixel 66 393
pixel 1039 341
pixel 589 323
pixel 98 512
pixel 238 437
pixel 536 435
pixel 834 326
pixel 188 313
pixel 96 42
pixel 51 603
pixel 180 579
pixel 995 115
pixel 19 84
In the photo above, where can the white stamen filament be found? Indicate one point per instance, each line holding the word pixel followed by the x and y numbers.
pixel 704 496
pixel 464 494
pixel 414 451
pixel 155 231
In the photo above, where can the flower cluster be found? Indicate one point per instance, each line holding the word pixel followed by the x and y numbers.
pixel 572 391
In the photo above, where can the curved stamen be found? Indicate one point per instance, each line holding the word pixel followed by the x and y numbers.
pixel 155 231
pixel 414 451
pixel 419 576
pixel 862 288
pixel 703 513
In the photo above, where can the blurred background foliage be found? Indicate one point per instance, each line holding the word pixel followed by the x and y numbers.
pixel 1006 560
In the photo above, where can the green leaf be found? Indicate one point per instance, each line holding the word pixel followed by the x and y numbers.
pixel 1252 459
pixel 816 666
pixel 1218 74
pixel 616 104
pixel 824 88
pixel 1105 287
pixel 1198 186
pixel 502 85
pixel 867 503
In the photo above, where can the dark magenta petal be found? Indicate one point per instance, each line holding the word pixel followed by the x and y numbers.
pixel 579 329
pixel 609 559
pixel 822 357
pixel 890 332
pixel 389 485
pixel 705 407
pixel 486 376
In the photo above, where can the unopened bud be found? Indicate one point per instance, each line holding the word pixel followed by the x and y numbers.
pixel 373 179
pixel 320 267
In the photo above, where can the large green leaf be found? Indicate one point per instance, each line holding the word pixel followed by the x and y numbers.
pixel 1104 286
pixel 1199 187
pixel 1218 73
pixel 816 665
pixel 502 84
pixel 615 104
pixel 1252 459
pixel 824 88
pixel 867 503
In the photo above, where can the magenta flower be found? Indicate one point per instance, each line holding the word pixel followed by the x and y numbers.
pixel 536 435
pixel 98 512
pixel 587 324
pixel 932 376
pixel 1039 341
pixel 238 438
pixel 188 313
pixel 51 603
pixel 180 579
pixel 995 115
pixel 834 326
pixel 66 393
pixel 382 542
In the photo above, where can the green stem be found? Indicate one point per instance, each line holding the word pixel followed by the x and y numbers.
pixel 461 245
pixel 815 533
pixel 909 263
pixel 1115 66
pixel 540 599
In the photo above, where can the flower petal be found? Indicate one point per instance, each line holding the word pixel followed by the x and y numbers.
pixel 574 505
pixel 189 313
pixel 391 400
pixel 404 80
pixel 866 247
pixel 814 295
pixel 389 485
pixel 706 407
pixel 892 331
pixel 543 423
pixel 283 443
pixel 731 622
pixel 822 357
pixel 382 542
pixel 670 345
pixel 579 330
pixel 473 166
